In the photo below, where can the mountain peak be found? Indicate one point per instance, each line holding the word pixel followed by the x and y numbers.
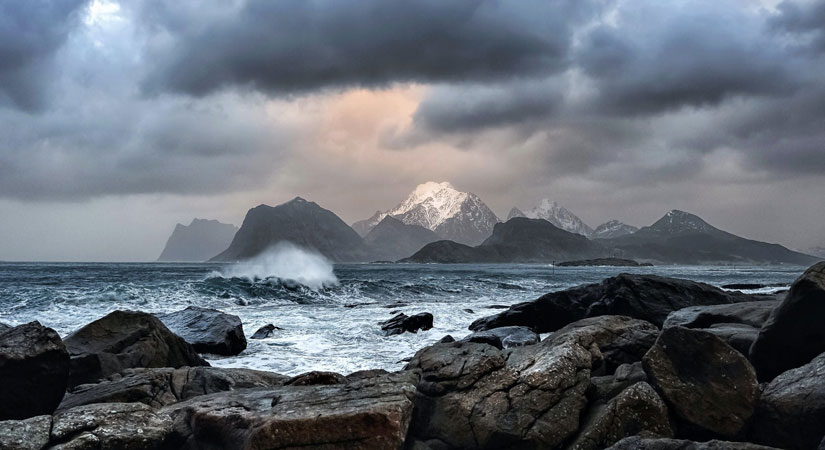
pixel 613 228
pixel 558 215
pixel 678 222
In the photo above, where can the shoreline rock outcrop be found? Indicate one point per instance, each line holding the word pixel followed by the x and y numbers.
pixel 208 330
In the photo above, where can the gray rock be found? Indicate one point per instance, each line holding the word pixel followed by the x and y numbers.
pixel 748 313
pixel 477 396
pixel 123 340
pixel 737 335
pixel 402 323
pixel 208 330
pixel 316 378
pixel 708 385
pixel 793 335
pixel 127 426
pixel 28 434
pixel 636 411
pixel 372 413
pixel 265 332
pixel 165 386
pixel 638 443
pixel 791 410
pixel 34 371
pixel 505 337
pixel 604 388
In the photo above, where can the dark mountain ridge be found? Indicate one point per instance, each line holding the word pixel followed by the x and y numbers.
pixel 393 239
pixel 198 241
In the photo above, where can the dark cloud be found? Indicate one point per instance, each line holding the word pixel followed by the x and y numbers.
pixel 806 19
pixel 299 45
pixel 30 33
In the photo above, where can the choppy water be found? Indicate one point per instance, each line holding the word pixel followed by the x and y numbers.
pixel 329 328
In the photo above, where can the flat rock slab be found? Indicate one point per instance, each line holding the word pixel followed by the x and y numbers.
pixel 208 330
pixel 371 413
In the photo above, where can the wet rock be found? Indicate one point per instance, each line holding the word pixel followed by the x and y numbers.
pixel 737 335
pixel 505 337
pixel 132 426
pixel 265 332
pixel 446 339
pixel 165 386
pixel 646 297
pixel 373 413
pixel 208 330
pixel 402 322
pixel 791 410
pixel 620 339
pixel 604 388
pixel 639 443
pixel 477 396
pixel 34 371
pixel 754 314
pixel 636 411
pixel 28 434
pixel 793 335
pixel 708 385
pixel 316 378
pixel 123 340
pixel 364 374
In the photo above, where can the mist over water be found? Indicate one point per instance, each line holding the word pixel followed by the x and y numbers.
pixel 331 321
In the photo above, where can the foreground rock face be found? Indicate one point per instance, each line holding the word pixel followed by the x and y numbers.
pixel 477 396
pixel 123 340
pixel 505 337
pixel 710 386
pixel 793 335
pixel 737 324
pixel 165 386
pixel 132 426
pixel 791 410
pixel 208 330
pixel 34 371
pixel 371 413
pixel 639 443
pixel 646 297
pixel 402 322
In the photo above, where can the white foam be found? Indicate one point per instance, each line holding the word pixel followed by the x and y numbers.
pixel 288 262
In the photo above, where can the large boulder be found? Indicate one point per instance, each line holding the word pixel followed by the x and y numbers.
pixel 639 443
pixel 605 387
pixel 754 314
pixel 165 386
pixel 636 411
pixel 208 330
pixel 620 339
pixel 476 396
pixel 402 322
pixel 371 413
pixel 505 337
pixel 646 297
pixel 123 340
pixel 791 410
pixel 708 385
pixel 793 335
pixel 34 371
pixel 127 426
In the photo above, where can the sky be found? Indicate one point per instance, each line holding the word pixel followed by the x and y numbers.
pixel 120 119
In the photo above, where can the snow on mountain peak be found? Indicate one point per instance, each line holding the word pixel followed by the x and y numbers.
pixel 436 203
pixel 559 216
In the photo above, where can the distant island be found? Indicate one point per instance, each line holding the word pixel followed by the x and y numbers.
pixel 616 262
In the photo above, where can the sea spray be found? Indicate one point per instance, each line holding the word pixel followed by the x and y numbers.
pixel 287 263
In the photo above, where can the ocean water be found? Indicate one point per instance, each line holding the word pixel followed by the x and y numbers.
pixel 329 314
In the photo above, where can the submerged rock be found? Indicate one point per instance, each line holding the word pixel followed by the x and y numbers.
pixel 372 413
pixel 793 335
pixel 208 330
pixel 505 337
pixel 708 385
pixel 165 386
pixel 646 297
pixel 265 332
pixel 123 340
pixel 402 322
pixel 34 371
pixel 791 410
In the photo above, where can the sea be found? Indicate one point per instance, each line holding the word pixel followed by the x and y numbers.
pixel 328 314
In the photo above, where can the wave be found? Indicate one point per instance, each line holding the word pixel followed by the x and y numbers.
pixel 285 264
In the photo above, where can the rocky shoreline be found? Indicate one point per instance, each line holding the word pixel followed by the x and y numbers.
pixel 633 362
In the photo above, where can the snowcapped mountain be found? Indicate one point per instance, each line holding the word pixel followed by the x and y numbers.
pixel 613 228
pixel 557 215
pixel 451 214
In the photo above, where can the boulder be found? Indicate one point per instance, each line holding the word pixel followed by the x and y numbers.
pixel 403 322
pixel 604 388
pixel 639 443
pixel 646 297
pixel 372 413
pixel 128 426
pixel 316 378
pixel 476 396
pixel 791 410
pixel 636 411
pixel 754 314
pixel 208 330
pixel 123 340
pixel 265 332
pixel 165 386
pixel 620 339
pixel 34 371
pixel 708 385
pixel 793 335
pixel 505 337
pixel 737 335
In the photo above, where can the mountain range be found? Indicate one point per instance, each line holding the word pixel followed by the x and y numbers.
pixel 198 241
pixel 561 217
